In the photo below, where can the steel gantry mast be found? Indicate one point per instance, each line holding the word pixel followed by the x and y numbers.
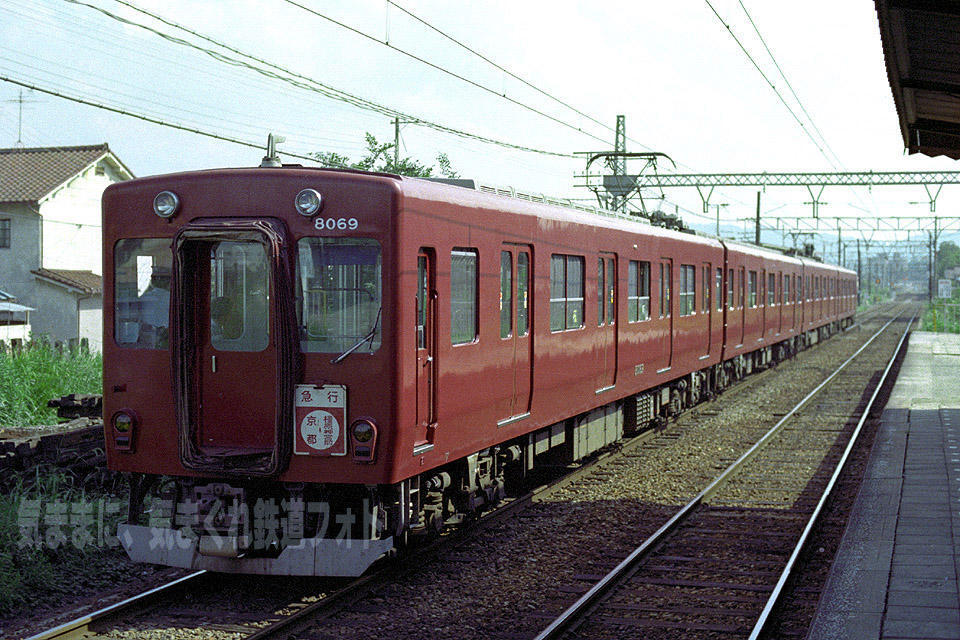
pixel 815 182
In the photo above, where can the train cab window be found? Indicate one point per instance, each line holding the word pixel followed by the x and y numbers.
pixel 752 302
pixel 339 282
pixel 142 271
pixel 506 294
pixel 771 289
pixel 719 289
pixel 638 291
pixel 463 296
pixel 688 290
pixel 566 292
pixel 523 293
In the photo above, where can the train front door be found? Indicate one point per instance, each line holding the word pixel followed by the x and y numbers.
pixel 426 347
pixel 236 351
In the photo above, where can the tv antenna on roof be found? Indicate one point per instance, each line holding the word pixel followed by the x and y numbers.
pixel 21 101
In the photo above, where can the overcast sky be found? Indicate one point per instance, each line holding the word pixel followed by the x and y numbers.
pixel 673 69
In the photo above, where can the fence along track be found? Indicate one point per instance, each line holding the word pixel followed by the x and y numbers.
pixel 658 600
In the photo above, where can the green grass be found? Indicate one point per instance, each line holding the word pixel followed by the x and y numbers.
pixel 30 575
pixel 39 372
pixel 942 316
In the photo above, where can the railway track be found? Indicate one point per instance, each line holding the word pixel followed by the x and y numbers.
pixel 197 604
pixel 720 564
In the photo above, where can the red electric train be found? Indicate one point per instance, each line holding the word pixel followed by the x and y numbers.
pixel 303 368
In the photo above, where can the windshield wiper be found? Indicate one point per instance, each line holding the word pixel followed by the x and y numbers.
pixel 366 338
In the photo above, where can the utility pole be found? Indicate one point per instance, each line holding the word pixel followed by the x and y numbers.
pixel 839 246
pixel 859 277
pixel 756 231
pixel 396 142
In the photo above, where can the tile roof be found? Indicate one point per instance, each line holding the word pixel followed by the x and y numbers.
pixel 87 281
pixel 27 175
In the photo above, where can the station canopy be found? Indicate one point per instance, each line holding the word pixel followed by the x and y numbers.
pixel 921 45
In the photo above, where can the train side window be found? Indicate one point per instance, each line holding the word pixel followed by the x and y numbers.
pixel 601 289
pixel 523 289
pixel 506 294
pixel 566 292
pixel 752 302
pixel 664 290
pixel 463 296
pixel 688 290
pixel 638 291
pixel 771 289
pixel 142 271
pixel 705 306
pixel 611 291
pixel 742 286
pixel 719 288
pixel 731 299
pixel 785 291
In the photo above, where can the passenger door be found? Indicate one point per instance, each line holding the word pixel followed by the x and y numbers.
pixel 606 349
pixel 426 337
pixel 515 322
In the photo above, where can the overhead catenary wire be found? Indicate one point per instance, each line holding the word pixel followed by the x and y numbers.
pixel 443 69
pixel 773 59
pixel 50 23
pixel 796 97
pixel 769 82
pixel 277 72
pixel 510 73
pixel 156 121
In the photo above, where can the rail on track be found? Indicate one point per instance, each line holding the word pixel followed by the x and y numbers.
pixel 82 626
pixel 581 609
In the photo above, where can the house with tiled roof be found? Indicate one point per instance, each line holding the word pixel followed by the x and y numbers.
pixel 50 248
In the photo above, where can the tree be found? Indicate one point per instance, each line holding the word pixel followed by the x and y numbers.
pixel 379 157
pixel 948 257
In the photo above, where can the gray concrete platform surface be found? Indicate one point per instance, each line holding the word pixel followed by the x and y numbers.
pixel 895 573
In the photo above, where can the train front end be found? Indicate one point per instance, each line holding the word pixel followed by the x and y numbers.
pixel 250 368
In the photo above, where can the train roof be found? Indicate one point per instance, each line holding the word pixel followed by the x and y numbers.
pixel 468 193
pixel 521 203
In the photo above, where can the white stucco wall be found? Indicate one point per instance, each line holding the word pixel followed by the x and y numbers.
pixel 71 222
pixel 14 332
pixel 91 322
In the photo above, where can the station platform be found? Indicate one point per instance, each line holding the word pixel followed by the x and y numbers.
pixel 896 571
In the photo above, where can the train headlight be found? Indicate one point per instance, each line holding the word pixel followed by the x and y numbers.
pixel 308 202
pixel 166 204
pixel 124 424
pixel 363 432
